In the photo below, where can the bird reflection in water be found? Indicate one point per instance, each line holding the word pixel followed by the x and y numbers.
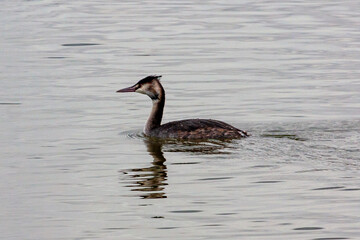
pixel 151 181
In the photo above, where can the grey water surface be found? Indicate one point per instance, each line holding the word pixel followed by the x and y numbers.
pixel 74 164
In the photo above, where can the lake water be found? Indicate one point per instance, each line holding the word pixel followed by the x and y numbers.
pixel 74 164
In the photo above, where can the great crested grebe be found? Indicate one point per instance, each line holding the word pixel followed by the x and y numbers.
pixel 183 129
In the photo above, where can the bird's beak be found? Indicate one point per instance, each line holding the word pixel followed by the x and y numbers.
pixel 128 89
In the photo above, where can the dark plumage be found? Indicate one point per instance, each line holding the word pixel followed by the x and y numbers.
pixel 183 129
pixel 197 129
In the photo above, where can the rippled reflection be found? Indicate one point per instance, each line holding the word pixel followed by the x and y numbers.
pixel 200 147
pixel 150 180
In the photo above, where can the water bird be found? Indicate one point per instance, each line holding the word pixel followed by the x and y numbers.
pixel 189 129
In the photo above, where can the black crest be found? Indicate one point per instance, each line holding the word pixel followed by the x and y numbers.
pixel 149 79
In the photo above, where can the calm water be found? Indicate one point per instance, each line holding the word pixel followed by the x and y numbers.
pixel 74 164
